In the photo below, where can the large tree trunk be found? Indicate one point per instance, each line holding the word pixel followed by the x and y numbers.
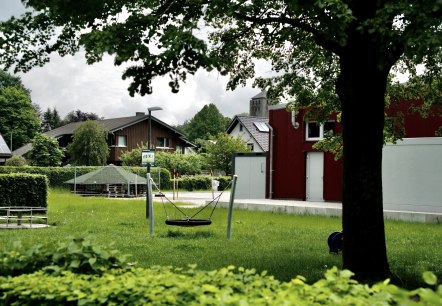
pixel 361 87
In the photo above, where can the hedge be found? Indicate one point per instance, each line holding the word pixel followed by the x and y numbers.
pixel 80 273
pixel 58 175
pixel 202 182
pixel 22 189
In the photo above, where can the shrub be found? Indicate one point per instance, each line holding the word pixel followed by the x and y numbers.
pixel 16 161
pixel 226 286
pixel 202 182
pixel 78 255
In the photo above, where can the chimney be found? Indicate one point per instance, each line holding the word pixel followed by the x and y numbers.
pixel 140 114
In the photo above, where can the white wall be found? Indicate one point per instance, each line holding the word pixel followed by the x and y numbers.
pixel 412 175
pixel 246 137
pixel 251 171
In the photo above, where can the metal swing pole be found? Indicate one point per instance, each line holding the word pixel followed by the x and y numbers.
pixel 229 216
pixel 150 203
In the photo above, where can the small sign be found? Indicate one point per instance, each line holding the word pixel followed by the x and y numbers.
pixel 147 157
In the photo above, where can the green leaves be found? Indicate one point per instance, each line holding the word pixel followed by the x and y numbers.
pixel 79 255
pixel 45 151
pixel 89 145
pixel 226 286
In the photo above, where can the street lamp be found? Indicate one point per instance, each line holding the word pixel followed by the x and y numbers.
pixel 149 138
pixel 149 207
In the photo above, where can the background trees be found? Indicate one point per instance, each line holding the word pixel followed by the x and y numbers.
pixel 326 55
pixel 51 120
pixel 17 115
pixel 89 145
pixel 208 122
pixel 78 116
pixel 45 151
pixel 220 150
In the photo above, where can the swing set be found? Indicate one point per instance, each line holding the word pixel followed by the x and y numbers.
pixel 186 220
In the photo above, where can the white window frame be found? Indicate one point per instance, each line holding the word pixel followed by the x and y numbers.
pixel 321 131
pixel 118 141
pixel 166 141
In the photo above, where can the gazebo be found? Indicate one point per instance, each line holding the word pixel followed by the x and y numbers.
pixel 111 181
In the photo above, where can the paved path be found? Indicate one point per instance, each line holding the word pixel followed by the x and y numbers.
pixel 295 206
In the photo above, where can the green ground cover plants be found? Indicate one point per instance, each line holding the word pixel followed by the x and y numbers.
pixel 284 245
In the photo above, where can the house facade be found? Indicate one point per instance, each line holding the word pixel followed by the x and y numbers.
pixel 297 171
pixel 126 134
pixel 254 131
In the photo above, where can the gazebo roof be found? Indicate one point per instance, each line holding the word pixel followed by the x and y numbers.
pixel 108 175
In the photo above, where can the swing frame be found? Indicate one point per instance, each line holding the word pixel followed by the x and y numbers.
pixel 189 221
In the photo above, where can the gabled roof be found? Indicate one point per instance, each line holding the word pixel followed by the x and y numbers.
pixel 110 125
pixel 261 137
pixel 261 95
pixel 4 149
pixel 108 175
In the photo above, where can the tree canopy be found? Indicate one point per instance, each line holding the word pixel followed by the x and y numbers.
pixel 77 116
pixel 220 150
pixel 89 145
pixel 18 117
pixel 45 151
pixel 330 55
pixel 207 123
pixel 50 119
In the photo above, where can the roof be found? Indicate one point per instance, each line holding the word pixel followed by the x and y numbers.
pixel 4 149
pixel 262 94
pixel 110 125
pixel 255 130
pixel 108 175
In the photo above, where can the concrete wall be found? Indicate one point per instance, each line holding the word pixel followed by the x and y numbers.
pixel 412 175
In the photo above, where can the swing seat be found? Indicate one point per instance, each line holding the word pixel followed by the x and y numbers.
pixel 189 222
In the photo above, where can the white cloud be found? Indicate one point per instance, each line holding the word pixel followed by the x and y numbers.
pixel 68 84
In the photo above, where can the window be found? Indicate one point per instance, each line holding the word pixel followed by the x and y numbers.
pixel 122 141
pixel 261 126
pixel 111 140
pixel 250 146
pixel 163 142
pixel 314 131
pixel 240 127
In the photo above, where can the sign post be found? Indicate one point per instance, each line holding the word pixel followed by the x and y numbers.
pixel 147 160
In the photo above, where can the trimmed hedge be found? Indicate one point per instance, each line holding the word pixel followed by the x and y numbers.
pixel 58 175
pixel 202 182
pixel 22 189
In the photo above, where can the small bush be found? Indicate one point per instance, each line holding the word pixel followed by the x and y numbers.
pixel 16 161
pixel 202 182
pixel 78 255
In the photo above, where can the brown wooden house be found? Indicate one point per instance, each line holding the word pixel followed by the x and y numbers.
pixel 125 134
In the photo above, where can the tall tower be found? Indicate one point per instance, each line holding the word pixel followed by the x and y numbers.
pixel 259 105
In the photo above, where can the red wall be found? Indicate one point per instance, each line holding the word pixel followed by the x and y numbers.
pixel 290 149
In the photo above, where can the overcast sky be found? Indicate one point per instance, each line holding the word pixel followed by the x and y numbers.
pixel 68 84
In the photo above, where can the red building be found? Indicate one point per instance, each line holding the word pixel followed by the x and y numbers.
pixel 297 171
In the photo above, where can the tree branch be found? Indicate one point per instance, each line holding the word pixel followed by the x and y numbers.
pixel 319 38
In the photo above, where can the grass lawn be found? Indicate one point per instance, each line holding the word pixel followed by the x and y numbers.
pixel 284 245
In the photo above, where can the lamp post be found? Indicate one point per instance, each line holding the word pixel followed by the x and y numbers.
pixel 149 204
